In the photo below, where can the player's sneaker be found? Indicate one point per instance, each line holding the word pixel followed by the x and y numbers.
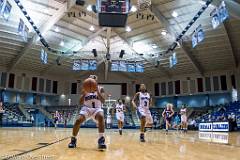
pixel 101 144
pixel 166 132
pixel 142 137
pixel 120 131
pixel 73 143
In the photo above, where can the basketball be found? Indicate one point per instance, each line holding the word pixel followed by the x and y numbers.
pixel 89 85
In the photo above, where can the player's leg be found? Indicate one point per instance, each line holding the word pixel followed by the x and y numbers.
pixel 185 124
pixel 149 121
pixel 75 131
pixel 142 128
pixel 101 128
pixel 121 120
pixel 142 117
pixel 167 124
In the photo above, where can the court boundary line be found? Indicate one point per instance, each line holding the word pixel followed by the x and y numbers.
pixel 14 156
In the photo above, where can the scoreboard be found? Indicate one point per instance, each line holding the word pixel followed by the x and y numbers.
pixel 114 6
pixel 113 13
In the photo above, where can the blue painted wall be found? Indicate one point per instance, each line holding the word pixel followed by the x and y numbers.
pixel 39 118
pixel 29 98
pixel 195 100
pixel 161 102
pixel 215 99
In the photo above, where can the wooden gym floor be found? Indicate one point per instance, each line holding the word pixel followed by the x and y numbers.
pixel 51 144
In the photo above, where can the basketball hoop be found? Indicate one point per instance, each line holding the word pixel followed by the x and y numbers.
pixel 144 4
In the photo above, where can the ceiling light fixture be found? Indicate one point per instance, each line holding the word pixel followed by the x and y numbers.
pixel 89 8
pixel 56 29
pixel 174 14
pixel 91 28
pixel 133 9
pixel 62 43
pixel 128 29
pixel 164 32
pixel 154 46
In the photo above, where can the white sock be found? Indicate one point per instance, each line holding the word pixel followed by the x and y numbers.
pixel 101 135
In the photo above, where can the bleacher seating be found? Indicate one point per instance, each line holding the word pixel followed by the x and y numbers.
pixel 221 111
pixel 13 116
pixel 67 113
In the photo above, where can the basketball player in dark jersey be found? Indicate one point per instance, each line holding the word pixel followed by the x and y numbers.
pixel 91 108
pixel 167 115
pixel 144 100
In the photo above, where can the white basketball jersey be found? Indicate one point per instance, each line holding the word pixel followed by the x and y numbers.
pixel 119 108
pixel 183 111
pixel 91 100
pixel 144 100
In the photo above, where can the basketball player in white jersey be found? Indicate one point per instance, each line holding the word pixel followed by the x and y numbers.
pixel 56 118
pixel 144 101
pixel 120 109
pixel 109 121
pixel 167 115
pixel 183 113
pixel 91 108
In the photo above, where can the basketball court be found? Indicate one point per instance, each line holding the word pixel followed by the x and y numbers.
pixel 142 79
pixel 51 144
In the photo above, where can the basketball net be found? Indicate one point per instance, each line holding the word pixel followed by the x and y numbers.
pixel 144 4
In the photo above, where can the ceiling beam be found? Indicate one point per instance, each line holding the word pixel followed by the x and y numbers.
pixel 189 54
pixel 88 39
pixel 162 69
pixel 233 49
pixel 43 29
pixel 109 31
pixel 163 21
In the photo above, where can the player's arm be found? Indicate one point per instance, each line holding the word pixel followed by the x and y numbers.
pixel 151 101
pixel 163 113
pixel 82 97
pixel 134 99
pixel 101 95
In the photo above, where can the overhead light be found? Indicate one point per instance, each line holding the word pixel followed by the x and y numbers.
pixel 174 14
pixel 128 29
pixel 91 28
pixel 89 8
pixel 62 43
pixel 133 9
pixel 56 29
pixel 164 32
pixel 154 46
